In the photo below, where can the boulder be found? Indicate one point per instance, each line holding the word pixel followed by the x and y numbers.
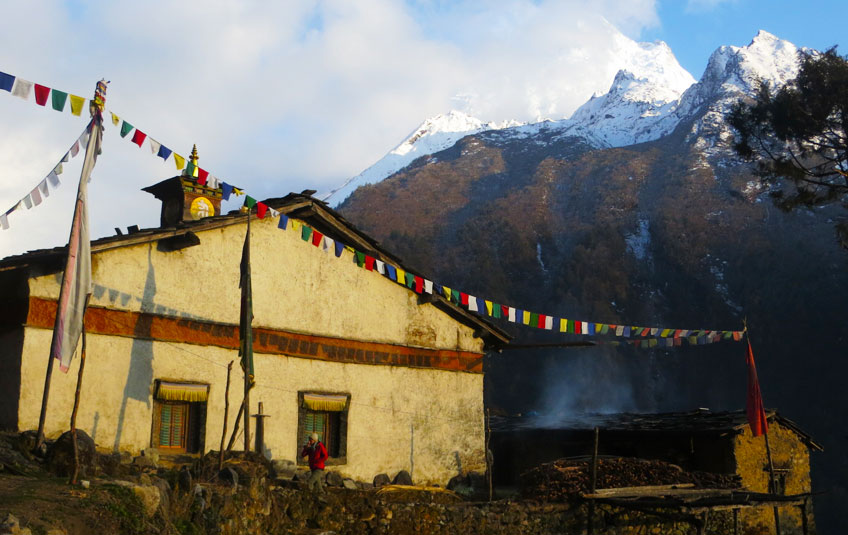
pixel 334 479
pixel 144 464
pixel 459 482
pixel 60 455
pixel 149 496
pixel 350 484
pixel 184 480
pixel 381 480
pixel 402 478
pixel 109 463
pixel 164 493
pixel 282 469
pixel 228 476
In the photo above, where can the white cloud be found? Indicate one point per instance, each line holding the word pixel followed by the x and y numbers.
pixel 701 6
pixel 278 96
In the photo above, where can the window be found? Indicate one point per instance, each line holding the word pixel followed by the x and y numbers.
pixel 179 416
pixel 325 414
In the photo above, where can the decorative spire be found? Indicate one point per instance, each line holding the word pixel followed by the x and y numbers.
pixel 194 156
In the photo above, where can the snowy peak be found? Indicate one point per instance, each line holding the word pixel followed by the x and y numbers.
pixel 433 135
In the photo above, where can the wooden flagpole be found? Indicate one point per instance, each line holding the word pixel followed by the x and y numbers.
pixel 73 479
pixel 226 415
pixel 247 351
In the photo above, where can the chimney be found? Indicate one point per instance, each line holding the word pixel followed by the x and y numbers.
pixel 183 199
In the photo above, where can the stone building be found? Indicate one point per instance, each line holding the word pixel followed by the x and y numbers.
pixel 699 440
pixel 391 377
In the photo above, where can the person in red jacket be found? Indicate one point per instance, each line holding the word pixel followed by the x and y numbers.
pixel 317 453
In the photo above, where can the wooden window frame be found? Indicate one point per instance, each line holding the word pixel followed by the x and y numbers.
pixel 302 411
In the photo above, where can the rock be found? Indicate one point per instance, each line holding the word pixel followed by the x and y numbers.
pixel 402 478
pixel 228 476
pixel 144 479
pixel 381 480
pixel 364 485
pixel 164 493
pixel 184 480
pixel 457 482
pixel 60 455
pixel 144 463
pixel 109 463
pixel 350 484
pixel 152 454
pixel 10 524
pixel 283 469
pixel 334 479
pixel 149 496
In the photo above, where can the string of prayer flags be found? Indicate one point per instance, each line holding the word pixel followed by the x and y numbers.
pixel 42 189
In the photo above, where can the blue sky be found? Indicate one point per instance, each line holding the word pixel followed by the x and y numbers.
pixel 304 94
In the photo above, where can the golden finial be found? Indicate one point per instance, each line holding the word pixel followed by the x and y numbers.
pixel 194 156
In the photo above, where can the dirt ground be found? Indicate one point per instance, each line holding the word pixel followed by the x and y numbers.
pixel 42 504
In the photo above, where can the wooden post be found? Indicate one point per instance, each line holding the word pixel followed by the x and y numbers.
pixel 236 427
pixel 246 408
pixel 590 521
pixel 736 521
pixel 226 415
pixel 772 484
pixel 804 528
pixel 489 475
pixel 248 350
pixel 73 479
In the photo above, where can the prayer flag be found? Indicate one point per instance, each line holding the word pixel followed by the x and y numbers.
pixel 410 280
pixel 284 220
pixel 525 317
pixel 249 202
pixel 7 81
pixel 59 98
pixel 369 262
pixel 126 127
pixel 496 310
pixel 76 279
pixel 589 328
pixel 76 105
pixel 472 304
pixel 115 118
pixel 191 169
pixel 155 146
pixel 246 310
pixel 401 276
pixel 511 314
pixel 419 284
pixel 428 286
pixel 563 325
pixel 381 266
pixel 179 161
pixel 463 298
pixel 328 244
pixel 75 149
pixel 22 88
pixel 754 406
pixel 447 293
pixel 619 330
pixel 481 304
pixel 4 219
pixel 165 152
pixel 534 319
pixel 306 232
pixel 41 94
pixel 36 196
pixel 339 248
pixel 488 307
pixel 578 327
pixel 54 179
pixel 202 176
pixel 391 271
pixel 549 322
pixel 316 238
pixel 226 189
pixel 627 331
pixel 138 137
pixel 261 209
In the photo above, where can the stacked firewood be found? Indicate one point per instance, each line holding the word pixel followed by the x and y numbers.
pixel 564 479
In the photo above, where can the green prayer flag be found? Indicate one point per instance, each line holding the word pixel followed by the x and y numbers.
pixel 305 232
pixel 570 327
pixel 360 258
pixel 250 202
pixel 604 328
pixel 126 128
pixel 59 99
pixel 410 280
pixel 534 318
pixel 496 311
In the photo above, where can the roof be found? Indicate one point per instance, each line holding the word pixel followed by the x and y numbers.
pixel 303 206
pixel 695 422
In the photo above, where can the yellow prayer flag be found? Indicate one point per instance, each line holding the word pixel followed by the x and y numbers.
pixel 115 119
pixel 599 327
pixel 526 319
pixel 295 224
pixel 401 276
pixel 488 307
pixel 179 161
pixel 237 192
pixel 447 292
pixel 665 333
pixel 563 325
pixel 76 105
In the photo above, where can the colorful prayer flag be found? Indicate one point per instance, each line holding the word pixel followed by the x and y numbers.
pixel 316 238
pixel 250 202
pixel 563 325
pixel 306 233
pixel 76 105
pixel 115 119
pixel 59 98
pixel 284 219
pixel 754 405
pixel 179 161
pixel 7 81
pixel 339 248
pixel 138 137
pixel 126 128
pixel 202 176
pixel 369 261
pixel 261 209
pixel 226 189
pixel 22 88
pixel 41 94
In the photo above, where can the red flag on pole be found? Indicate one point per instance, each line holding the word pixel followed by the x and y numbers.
pixel 754 407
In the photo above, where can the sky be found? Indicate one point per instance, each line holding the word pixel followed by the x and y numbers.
pixel 303 94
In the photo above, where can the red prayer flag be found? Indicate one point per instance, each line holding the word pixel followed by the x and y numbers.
pixel 541 323
pixel 138 137
pixel 202 175
pixel 578 327
pixel 419 284
pixel 463 298
pixel 369 263
pixel 261 208
pixel 317 237
pixel 41 94
pixel 754 406
pixel 505 310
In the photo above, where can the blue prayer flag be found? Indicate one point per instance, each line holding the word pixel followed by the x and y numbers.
pixel 626 331
pixel 284 220
pixel 226 190
pixel 6 81
pixel 164 152
pixel 391 272
pixel 339 248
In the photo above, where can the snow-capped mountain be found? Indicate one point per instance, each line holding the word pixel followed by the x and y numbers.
pixel 433 135
pixel 649 97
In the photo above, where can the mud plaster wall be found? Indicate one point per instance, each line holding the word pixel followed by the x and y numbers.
pixel 788 452
pixel 399 418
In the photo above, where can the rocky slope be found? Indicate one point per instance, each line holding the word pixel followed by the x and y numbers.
pixel 670 232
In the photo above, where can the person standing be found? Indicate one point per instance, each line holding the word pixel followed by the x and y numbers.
pixel 317 453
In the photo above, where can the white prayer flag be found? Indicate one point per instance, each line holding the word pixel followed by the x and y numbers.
pixel 381 267
pixel 619 330
pixel 54 179
pixel 27 202
pixel 154 146
pixel 22 88
pixel 4 221
pixel 42 187
pixel 549 322
pixel 36 196
pixel 428 286
pixel 472 304
pixel 75 149
pixel 512 314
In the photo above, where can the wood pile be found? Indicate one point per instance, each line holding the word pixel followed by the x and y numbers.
pixel 564 479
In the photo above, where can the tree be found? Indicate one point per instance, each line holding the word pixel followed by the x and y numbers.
pixel 798 132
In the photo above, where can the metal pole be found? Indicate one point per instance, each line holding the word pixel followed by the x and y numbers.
pixel 226 415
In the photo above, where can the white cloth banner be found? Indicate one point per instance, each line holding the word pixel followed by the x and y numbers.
pixel 22 88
